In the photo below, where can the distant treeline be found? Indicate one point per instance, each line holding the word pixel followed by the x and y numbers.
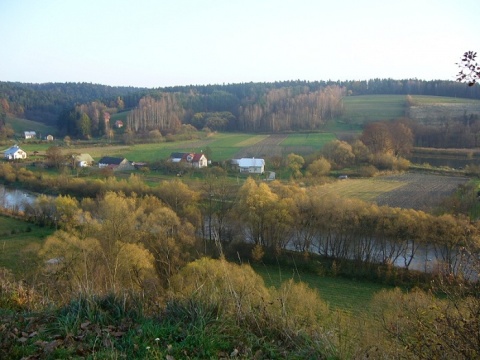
pixel 271 107
pixel 44 102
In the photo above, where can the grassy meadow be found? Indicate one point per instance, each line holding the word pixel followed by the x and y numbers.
pixel 367 108
pixel 350 295
pixel 20 125
pixel 19 244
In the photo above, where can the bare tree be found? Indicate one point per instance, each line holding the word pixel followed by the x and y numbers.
pixel 469 69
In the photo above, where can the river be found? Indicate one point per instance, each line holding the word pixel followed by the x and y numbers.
pixel 15 199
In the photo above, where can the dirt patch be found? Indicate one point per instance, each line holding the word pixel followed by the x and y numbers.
pixel 421 191
pixel 436 113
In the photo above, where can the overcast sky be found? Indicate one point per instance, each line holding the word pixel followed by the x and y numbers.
pixel 158 43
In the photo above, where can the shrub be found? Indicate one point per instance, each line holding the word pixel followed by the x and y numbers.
pixel 367 171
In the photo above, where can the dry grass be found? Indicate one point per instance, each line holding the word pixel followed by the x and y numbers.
pixel 409 190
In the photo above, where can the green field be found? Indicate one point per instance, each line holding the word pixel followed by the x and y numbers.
pixel 19 244
pixel 367 108
pixel 349 295
pixel 223 146
pixel 314 140
pixel 20 125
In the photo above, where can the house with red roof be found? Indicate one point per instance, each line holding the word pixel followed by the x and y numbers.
pixel 191 159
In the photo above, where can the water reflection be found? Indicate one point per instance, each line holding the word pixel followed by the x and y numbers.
pixel 14 199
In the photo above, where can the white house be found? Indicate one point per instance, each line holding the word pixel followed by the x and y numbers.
pixel 30 134
pixel 83 160
pixel 193 159
pixel 14 153
pixel 250 165
pixel 197 160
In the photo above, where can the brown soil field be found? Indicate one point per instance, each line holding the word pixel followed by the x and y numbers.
pixel 420 191
pixel 436 113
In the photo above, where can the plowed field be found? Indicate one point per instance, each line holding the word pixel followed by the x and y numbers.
pixel 410 190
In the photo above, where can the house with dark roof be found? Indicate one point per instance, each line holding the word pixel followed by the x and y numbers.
pixel 116 164
pixel 176 157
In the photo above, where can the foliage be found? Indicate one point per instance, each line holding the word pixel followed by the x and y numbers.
pixel 319 167
pixel 469 69
pixel 115 242
pixel 427 327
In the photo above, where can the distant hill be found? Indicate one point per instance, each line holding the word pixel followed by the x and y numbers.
pixel 44 102
pixel 21 125
pixel 255 107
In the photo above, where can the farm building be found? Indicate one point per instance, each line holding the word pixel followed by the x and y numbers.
pixel 14 153
pixel 49 138
pixel 83 160
pixel 117 164
pixel 250 165
pixel 176 157
pixel 119 124
pixel 30 134
pixel 192 159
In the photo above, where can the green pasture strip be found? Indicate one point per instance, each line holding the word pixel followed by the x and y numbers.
pixel 429 100
pixel 20 125
pixel 349 295
pixel 225 145
pixel 340 127
pixel 366 108
pixel 313 140
pixel 31 147
pixel 367 189
pixel 254 139
pixel 222 146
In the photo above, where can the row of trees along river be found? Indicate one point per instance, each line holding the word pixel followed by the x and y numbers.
pixel 272 217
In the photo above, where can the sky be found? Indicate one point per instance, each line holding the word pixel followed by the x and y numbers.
pixel 161 43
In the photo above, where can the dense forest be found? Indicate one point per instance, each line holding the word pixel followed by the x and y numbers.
pixel 256 107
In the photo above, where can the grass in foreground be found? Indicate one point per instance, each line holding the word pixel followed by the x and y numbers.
pixel 349 295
